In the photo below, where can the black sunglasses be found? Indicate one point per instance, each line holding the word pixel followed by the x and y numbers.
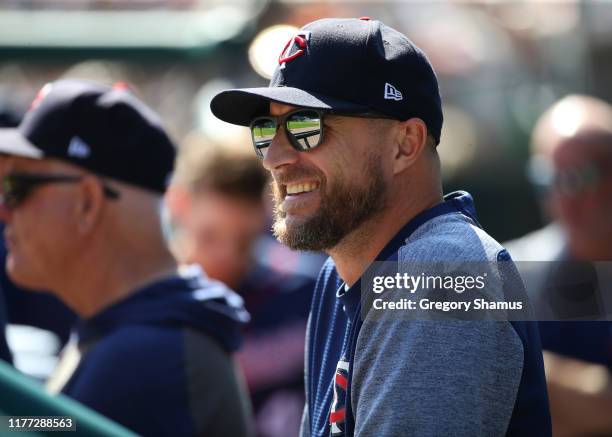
pixel 16 187
pixel 303 127
pixel 569 182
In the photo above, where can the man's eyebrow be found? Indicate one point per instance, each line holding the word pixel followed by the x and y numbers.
pixel 336 118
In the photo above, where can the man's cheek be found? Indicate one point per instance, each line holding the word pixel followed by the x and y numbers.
pixel 276 191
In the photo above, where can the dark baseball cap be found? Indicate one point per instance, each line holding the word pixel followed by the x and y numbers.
pixel 347 66
pixel 100 128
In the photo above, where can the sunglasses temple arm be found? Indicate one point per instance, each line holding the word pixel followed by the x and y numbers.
pixel 109 192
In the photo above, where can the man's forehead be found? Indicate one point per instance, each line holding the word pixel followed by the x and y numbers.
pixel 13 163
pixel 18 162
pixel 280 108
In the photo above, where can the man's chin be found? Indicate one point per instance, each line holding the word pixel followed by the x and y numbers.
pixel 293 221
pixel 19 276
pixel 303 233
pixel 289 231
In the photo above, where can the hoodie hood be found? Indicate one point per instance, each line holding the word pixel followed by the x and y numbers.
pixel 188 299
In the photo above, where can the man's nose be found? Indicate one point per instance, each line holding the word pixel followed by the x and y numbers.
pixel 280 152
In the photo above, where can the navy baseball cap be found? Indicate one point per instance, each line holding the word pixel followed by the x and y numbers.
pixel 345 65
pixel 100 128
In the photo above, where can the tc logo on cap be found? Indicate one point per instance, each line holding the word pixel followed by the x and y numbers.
pixel 294 47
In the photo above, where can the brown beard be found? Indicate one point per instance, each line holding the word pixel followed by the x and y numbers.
pixel 344 207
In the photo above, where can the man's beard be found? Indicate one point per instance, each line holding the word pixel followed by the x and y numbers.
pixel 344 207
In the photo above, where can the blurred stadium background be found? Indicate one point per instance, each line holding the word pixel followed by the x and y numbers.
pixel 500 64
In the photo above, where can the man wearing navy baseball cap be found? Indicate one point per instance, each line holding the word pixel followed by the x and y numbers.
pixel 82 186
pixel 349 128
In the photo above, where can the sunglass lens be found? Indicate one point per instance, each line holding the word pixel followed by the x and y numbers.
pixel 262 131
pixel 14 190
pixel 305 127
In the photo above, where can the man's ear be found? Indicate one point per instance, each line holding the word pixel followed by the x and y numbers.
pixel 178 201
pixel 90 203
pixel 410 140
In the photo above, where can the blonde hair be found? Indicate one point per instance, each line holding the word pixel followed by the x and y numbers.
pixel 230 168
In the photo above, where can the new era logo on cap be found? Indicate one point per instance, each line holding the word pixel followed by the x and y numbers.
pixel 392 93
pixel 78 148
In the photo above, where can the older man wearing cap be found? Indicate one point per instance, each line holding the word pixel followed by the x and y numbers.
pixel 571 166
pixel 81 201
pixel 348 127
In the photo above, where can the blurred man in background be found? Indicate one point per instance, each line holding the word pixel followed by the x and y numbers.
pixel 216 201
pixel 82 196
pixel 23 307
pixel 7 119
pixel 571 165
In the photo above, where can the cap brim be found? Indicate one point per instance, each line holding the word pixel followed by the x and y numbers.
pixel 13 143
pixel 241 106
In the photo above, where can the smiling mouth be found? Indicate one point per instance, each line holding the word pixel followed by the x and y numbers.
pixel 300 188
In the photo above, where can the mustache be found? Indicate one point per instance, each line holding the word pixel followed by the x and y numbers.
pixel 286 176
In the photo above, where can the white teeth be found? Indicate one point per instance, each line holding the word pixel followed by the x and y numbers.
pixel 302 188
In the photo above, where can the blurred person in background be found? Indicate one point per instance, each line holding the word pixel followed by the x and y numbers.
pixel 7 119
pixel 216 202
pixel 82 186
pixel 349 128
pixel 23 307
pixel 571 165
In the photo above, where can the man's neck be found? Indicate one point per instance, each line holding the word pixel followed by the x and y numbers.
pixel 359 249
pixel 103 283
